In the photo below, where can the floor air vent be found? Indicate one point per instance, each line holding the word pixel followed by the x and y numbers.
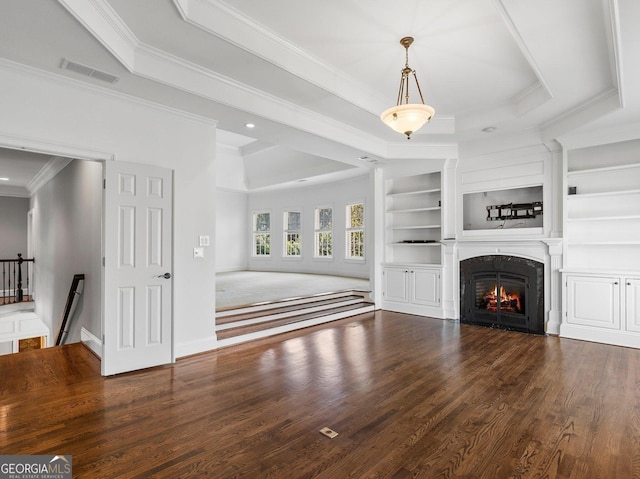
pixel 88 71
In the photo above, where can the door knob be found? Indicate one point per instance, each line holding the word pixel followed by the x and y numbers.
pixel 165 276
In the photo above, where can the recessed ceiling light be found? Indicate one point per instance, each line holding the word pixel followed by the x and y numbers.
pixel 250 125
pixel 489 129
pixel 4 178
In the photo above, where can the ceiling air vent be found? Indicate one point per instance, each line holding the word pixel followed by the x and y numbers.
pixel 88 71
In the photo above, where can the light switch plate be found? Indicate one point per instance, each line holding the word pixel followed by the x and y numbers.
pixel 204 240
pixel 198 252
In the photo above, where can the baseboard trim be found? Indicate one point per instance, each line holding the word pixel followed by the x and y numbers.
pixel 626 339
pixel 91 341
pixel 196 347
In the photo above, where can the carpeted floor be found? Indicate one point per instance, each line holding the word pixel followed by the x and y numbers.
pixel 241 288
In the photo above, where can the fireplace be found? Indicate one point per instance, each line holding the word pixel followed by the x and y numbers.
pixel 504 292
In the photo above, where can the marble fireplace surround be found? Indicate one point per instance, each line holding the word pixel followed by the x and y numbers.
pixel 545 250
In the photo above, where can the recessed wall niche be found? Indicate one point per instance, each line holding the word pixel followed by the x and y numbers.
pixel 503 209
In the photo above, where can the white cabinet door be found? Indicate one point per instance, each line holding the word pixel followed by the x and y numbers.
pixel 593 301
pixel 632 304
pixel 425 287
pixel 395 287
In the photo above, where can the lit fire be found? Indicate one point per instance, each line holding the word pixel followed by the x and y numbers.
pixel 508 301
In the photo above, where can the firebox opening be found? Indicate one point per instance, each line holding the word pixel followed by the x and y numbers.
pixel 503 291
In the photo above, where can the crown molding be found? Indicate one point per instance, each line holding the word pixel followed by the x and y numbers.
pixel 149 62
pixel 604 102
pixel 99 18
pixel 614 41
pixel 48 148
pixel 221 20
pixel 104 91
pixel 515 33
pixel 599 136
pixel 14 191
pixel 54 166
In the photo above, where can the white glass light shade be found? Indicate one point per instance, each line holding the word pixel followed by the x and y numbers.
pixel 407 118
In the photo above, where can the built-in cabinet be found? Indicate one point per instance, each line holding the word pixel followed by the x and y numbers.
pixel 601 273
pixel 412 289
pixel 412 273
pixel 602 308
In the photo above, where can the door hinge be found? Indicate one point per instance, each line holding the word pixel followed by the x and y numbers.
pixel 104 184
pixel 103 261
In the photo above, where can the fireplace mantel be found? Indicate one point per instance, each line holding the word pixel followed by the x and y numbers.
pixel 543 249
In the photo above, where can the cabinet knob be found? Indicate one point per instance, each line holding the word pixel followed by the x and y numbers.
pixel 615 282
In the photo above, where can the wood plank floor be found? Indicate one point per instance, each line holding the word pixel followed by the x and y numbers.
pixel 409 397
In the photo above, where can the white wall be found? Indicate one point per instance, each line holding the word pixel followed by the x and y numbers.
pixel 61 115
pixel 67 239
pixel 232 230
pixel 305 199
pixel 230 171
pixel 13 225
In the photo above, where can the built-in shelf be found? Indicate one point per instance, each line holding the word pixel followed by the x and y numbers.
pixel 414 193
pixel 605 218
pixel 415 210
pixel 602 215
pixel 413 219
pixel 603 243
pixel 417 244
pixel 414 227
pixel 603 193
pixel 603 169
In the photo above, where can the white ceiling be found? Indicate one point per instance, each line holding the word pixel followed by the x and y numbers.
pixel 314 76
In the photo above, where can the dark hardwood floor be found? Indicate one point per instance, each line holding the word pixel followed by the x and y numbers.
pixel 409 397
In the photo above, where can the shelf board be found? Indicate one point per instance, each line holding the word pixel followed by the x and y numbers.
pixel 414 210
pixel 414 192
pixel 414 244
pixel 603 193
pixel 415 227
pixel 605 218
pixel 603 243
pixel 602 169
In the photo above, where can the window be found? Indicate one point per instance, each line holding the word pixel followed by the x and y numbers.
pixel 262 234
pixel 355 231
pixel 324 233
pixel 292 233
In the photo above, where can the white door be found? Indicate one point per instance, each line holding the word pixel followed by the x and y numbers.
pixel 425 287
pixel 632 292
pixel 137 296
pixel 593 301
pixel 394 287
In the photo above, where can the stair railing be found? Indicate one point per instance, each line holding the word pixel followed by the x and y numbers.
pixel 14 282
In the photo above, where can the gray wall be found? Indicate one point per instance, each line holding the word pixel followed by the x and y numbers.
pixel 67 240
pixel 13 225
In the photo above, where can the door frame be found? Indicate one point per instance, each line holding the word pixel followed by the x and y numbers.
pixel 46 147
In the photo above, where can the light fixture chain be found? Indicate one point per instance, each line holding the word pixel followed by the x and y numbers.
pixel 418 85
